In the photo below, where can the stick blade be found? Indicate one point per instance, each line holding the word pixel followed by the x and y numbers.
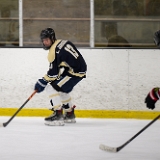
pixel 107 148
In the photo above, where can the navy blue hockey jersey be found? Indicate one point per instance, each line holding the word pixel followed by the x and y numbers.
pixel 64 54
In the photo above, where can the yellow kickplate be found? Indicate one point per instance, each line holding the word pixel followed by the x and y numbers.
pixel 36 112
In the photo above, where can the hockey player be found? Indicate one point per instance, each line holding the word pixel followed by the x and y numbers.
pixel 154 94
pixel 67 67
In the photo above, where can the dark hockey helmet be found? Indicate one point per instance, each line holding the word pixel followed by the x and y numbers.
pixel 48 33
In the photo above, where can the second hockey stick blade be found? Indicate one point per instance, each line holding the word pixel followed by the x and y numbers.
pixel 117 149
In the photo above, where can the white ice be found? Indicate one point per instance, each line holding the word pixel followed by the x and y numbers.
pixel 29 139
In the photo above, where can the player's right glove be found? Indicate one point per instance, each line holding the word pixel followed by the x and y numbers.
pixel 152 97
pixel 40 85
pixel 156 38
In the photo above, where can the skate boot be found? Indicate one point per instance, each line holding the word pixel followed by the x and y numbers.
pixel 55 119
pixel 69 116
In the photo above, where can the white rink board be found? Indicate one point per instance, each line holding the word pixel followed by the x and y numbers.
pixel 117 79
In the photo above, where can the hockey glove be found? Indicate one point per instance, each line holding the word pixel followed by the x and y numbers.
pixel 40 85
pixel 156 38
pixel 152 98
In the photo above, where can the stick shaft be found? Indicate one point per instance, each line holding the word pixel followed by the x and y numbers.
pixel 144 128
pixel 117 149
pixel 6 123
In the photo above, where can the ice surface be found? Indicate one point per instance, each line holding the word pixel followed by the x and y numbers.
pixel 29 139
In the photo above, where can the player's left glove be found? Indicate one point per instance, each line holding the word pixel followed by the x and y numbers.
pixel 40 85
pixel 152 97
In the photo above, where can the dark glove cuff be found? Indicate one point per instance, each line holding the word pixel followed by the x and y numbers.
pixel 42 82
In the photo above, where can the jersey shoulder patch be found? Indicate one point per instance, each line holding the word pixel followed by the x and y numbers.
pixel 51 54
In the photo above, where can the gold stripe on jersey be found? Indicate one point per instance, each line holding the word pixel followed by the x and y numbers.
pixel 76 74
pixel 49 78
pixel 64 64
pixel 63 81
pixel 51 54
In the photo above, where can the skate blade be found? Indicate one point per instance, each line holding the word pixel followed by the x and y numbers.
pixel 54 123
pixel 69 121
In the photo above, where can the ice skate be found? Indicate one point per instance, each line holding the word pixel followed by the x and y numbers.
pixel 55 119
pixel 69 117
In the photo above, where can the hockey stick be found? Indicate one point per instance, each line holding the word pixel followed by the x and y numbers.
pixel 6 123
pixel 117 149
